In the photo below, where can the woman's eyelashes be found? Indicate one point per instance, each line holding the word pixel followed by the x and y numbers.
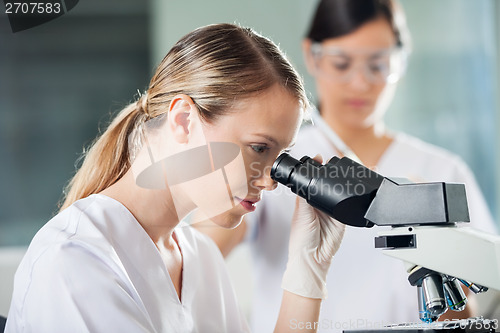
pixel 341 65
pixel 259 149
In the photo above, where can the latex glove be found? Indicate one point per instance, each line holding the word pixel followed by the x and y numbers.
pixel 314 239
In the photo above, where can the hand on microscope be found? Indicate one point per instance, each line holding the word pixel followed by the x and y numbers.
pixel 314 239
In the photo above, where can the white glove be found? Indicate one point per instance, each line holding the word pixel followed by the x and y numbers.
pixel 314 239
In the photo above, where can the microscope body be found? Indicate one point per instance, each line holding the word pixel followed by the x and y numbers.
pixel 423 216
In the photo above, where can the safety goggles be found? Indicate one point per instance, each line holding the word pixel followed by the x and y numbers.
pixel 340 65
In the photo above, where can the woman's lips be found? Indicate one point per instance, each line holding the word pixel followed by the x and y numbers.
pixel 248 204
pixel 357 102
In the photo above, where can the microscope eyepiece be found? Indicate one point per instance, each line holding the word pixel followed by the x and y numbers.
pixel 283 167
pixel 341 188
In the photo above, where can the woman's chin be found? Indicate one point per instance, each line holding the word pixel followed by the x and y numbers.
pixel 228 220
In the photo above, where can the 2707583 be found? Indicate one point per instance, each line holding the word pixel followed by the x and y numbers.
pixel 32 8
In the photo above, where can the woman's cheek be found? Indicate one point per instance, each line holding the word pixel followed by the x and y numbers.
pixel 236 175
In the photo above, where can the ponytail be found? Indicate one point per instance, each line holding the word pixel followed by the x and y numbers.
pixel 107 160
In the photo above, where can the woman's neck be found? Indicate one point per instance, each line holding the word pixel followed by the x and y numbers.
pixel 153 209
pixel 368 143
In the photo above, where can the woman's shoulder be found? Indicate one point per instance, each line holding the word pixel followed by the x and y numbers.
pixel 89 217
pixel 412 158
pixel 419 149
pixel 87 235
pixel 85 226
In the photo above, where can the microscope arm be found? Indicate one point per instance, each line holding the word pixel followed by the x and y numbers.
pixel 461 252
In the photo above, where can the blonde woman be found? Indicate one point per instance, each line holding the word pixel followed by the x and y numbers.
pixel 223 104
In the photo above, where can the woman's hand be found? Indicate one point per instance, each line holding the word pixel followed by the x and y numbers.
pixel 314 239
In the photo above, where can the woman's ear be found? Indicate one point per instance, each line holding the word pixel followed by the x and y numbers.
pixel 182 114
pixel 308 57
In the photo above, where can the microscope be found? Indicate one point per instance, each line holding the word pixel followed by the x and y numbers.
pixel 439 256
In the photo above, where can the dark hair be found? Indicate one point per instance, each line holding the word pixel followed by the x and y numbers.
pixel 336 18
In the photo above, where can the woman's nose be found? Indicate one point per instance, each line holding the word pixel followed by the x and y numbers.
pixel 359 81
pixel 265 182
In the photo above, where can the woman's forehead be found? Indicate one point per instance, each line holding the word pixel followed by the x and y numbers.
pixel 274 113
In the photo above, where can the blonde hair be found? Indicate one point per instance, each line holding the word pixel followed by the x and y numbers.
pixel 215 65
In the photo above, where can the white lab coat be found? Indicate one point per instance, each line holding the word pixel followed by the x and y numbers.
pixel 366 289
pixel 93 268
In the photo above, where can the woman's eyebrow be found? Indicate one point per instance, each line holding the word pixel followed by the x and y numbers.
pixel 267 137
pixel 274 141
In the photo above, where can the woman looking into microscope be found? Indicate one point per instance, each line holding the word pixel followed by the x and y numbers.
pixel 117 259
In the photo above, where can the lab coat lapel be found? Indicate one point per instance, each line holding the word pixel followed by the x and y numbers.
pixel 144 267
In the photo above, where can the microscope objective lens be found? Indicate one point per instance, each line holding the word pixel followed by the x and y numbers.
pixel 423 313
pixel 433 292
pixel 455 296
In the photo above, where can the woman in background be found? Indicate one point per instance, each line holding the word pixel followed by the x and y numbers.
pixel 356 50
pixel 117 259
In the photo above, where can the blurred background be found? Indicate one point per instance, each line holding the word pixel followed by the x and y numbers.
pixel 61 81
